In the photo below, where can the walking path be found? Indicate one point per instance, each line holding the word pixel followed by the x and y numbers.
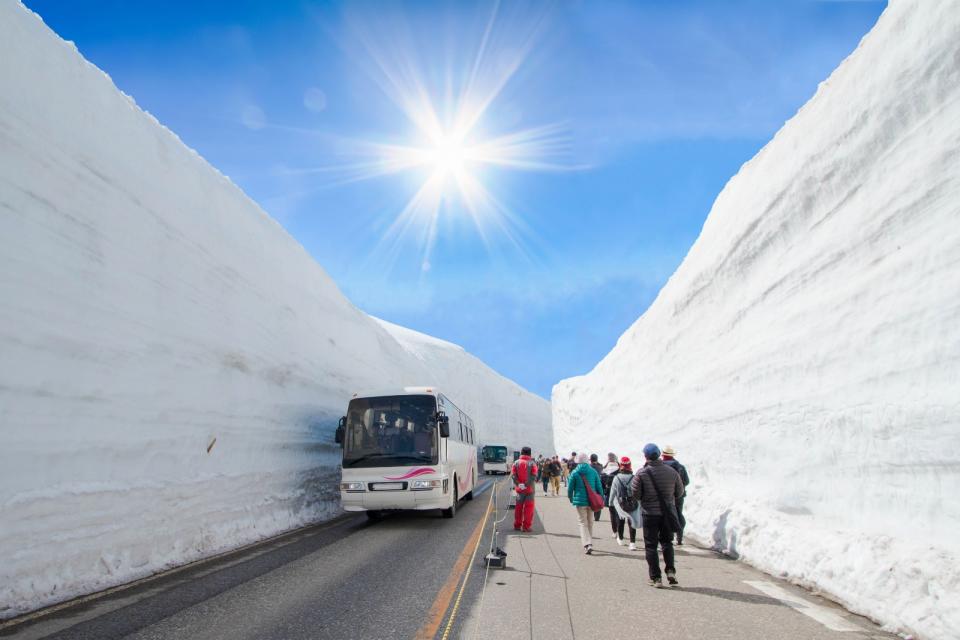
pixel 552 590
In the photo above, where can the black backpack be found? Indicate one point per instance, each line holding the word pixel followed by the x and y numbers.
pixel 628 502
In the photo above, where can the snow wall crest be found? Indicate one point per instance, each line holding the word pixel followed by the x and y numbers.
pixel 804 357
pixel 150 311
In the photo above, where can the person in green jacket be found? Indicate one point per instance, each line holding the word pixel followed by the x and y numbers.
pixel 577 493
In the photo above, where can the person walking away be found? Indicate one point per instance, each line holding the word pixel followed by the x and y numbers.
pixel 582 475
pixel 668 459
pixel 543 466
pixel 624 505
pixel 610 470
pixel 657 488
pixel 556 471
pixel 524 474
pixel 596 466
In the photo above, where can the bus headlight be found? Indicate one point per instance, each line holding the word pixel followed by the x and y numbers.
pixel 352 486
pixel 424 485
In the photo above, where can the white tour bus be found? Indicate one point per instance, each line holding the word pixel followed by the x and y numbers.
pixel 497 458
pixel 412 449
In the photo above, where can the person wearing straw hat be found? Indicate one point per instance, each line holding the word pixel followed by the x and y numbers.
pixel 670 461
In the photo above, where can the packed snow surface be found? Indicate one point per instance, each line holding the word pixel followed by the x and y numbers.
pixel 172 363
pixel 804 359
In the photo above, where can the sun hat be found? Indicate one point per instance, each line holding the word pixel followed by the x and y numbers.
pixel 651 451
pixel 668 451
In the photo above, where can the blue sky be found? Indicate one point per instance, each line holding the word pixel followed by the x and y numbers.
pixel 650 108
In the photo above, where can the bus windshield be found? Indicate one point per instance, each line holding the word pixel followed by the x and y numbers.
pixel 391 431
pixel 494 454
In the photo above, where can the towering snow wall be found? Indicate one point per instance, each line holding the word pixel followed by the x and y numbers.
pixel 172 363
pixel 805 357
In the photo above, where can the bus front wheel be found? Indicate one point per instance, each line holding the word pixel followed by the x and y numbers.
pixel 452 510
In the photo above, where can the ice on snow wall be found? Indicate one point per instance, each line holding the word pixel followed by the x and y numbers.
pixel 805 357
pixel 172 363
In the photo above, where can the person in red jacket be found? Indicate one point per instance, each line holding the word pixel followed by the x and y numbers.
pixel 524 476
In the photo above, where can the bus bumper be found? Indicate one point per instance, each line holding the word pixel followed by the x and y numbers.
pixel 382 501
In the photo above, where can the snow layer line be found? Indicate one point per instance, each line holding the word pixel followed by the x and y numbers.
pixel 149 308
pixel 804 359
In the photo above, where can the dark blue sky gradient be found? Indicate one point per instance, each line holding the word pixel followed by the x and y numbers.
pixel 660 104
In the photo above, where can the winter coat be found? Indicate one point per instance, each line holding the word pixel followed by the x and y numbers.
pixel 576 491
pixel 668 481
pixel 611 468
pixel 621 483
pixel 679 468
pixel 524 472
pixel 553 470
pixel 541 469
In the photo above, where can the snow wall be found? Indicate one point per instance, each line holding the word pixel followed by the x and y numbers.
pixel 149 310
pixel 804 359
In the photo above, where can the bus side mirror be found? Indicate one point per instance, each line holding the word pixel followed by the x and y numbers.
pixel 338 436
pixel 444 423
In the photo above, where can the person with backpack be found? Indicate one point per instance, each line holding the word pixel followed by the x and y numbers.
pixel 657 487
pixel 580 483
pixel 668 459
pixel 524 477
pixel 556 472
pixel 596 466
pixel 624 504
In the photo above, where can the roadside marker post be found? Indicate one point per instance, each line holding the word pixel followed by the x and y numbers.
pixel 497 557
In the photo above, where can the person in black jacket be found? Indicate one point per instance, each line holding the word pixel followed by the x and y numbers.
pixel 673 463
pixel 653 484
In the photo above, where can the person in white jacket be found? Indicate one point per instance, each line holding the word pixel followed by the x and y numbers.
pixel 632 519
pixel 610 470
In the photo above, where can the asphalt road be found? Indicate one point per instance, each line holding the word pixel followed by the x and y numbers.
pixel 349 578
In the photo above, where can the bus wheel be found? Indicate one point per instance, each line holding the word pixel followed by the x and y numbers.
pixel 469 494
pixel 449 513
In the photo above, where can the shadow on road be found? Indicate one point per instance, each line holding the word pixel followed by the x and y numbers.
pixel 736 596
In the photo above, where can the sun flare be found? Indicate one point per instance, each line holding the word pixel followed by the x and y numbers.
pixel 451 139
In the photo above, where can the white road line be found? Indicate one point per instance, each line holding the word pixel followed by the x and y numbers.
pixel 824 616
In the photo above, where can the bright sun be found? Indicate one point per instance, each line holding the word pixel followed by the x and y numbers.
pixel 451 146
pixel 448 157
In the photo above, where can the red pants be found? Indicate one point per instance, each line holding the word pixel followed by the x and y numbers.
pixel 523 512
